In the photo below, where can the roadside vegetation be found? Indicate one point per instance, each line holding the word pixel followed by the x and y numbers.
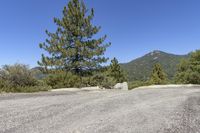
pixel 189 70
pixel 19 78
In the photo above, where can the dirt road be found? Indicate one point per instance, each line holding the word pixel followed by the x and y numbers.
pixel 169 110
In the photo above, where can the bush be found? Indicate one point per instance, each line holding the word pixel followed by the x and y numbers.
pixel 194 78
pixel 67 80
pixel 63 80
pixel 18 75
pixel 103 80
pixel 189 70
pixel 19 78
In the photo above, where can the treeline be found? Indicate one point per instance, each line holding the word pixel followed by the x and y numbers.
pixel 20 78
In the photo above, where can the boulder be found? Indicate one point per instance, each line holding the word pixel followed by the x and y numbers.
pixel 121 86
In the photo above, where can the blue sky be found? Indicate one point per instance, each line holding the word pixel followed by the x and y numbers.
pixel 134 27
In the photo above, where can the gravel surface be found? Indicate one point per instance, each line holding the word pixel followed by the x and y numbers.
pixel 169 110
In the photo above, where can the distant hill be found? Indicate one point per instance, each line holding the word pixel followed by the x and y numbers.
pixel 38 72
pixel 140 69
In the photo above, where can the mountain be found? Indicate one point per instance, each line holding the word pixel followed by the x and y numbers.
pixel 141 68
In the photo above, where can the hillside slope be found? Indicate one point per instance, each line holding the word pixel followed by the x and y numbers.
pixel 140 69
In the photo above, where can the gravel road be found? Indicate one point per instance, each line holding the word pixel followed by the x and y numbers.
pixel 169 110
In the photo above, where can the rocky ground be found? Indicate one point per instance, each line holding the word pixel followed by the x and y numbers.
pixel 152 110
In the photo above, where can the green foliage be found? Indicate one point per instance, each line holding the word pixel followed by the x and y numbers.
pixel 141 68
pixel 116 72
pixel 73 47
pixel 193 77
pixel 103 80
pixel 189 70
pixel 195 61
pixel 19 78
pixel 182 73
pixel 63 80
pixel 17 75
pixel 158 76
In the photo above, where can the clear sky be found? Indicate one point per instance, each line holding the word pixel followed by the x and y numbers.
pixel 135 27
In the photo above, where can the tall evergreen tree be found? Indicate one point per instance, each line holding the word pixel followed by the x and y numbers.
pixel 73 46
pixel 116 72
pixel 158 76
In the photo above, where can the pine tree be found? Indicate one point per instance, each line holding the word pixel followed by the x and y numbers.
pixel 158 76
pixel 116 72
pixel 73 46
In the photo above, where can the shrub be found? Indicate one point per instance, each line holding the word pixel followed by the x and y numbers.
pixel 103 80
pixel 18 75
pixel 193 78
pixel 19 78
pixel 189 70
pixel 63 80
pixel 67 80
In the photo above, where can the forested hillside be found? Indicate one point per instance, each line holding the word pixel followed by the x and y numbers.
pixel 140 68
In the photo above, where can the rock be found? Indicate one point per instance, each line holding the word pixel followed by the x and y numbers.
pixel 121 86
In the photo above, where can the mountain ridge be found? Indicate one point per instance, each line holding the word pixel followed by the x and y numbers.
pixel 140 68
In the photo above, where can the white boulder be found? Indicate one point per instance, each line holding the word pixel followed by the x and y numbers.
pixel 121 86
